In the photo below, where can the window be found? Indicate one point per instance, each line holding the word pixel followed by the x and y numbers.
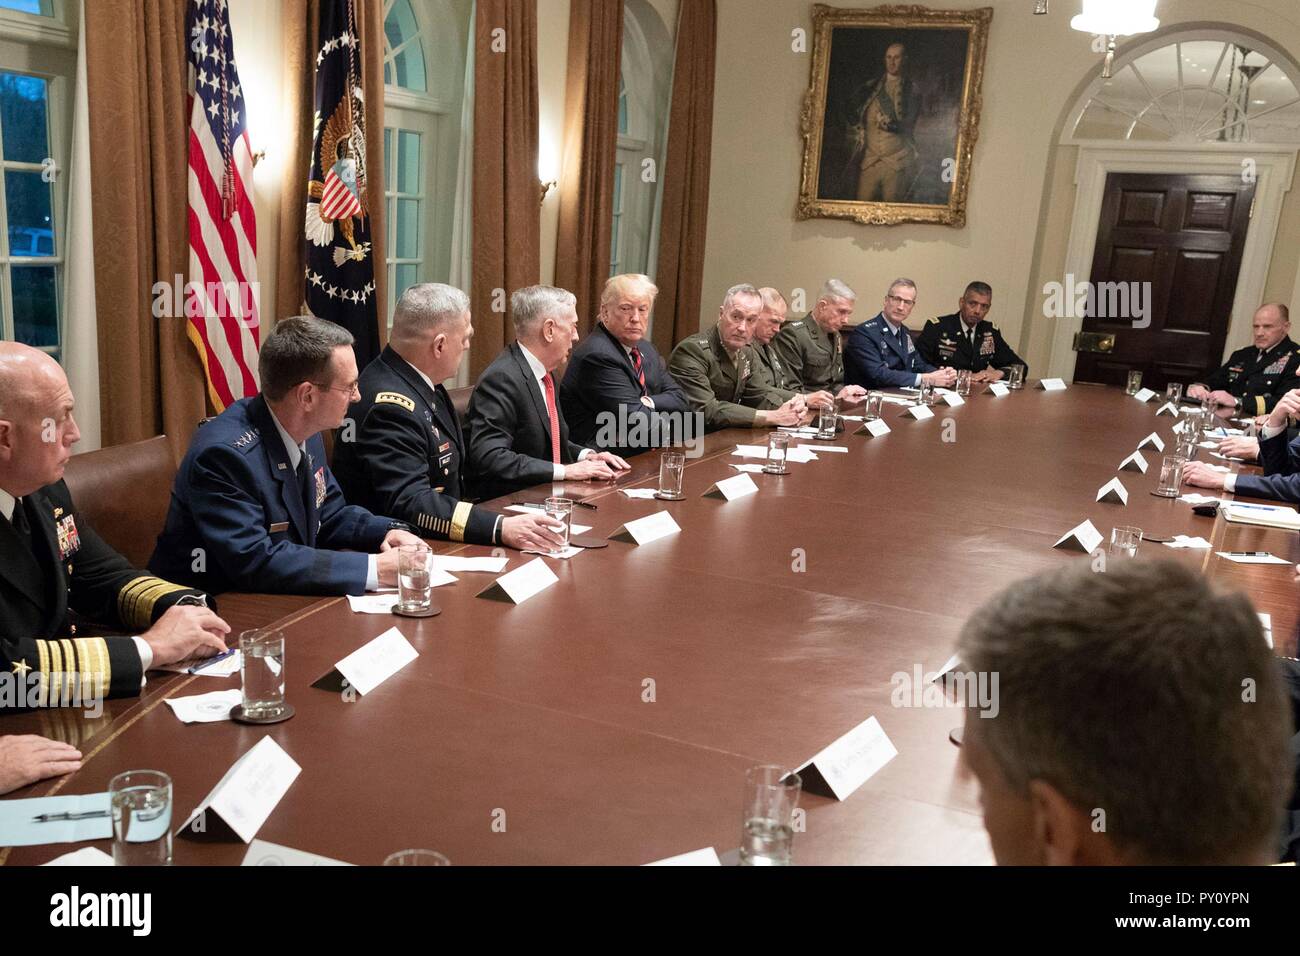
pixel 424 66
pixel 30 224
pixel 1204 87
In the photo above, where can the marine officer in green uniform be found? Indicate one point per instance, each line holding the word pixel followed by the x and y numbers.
pixel 811 348
pixel 773 380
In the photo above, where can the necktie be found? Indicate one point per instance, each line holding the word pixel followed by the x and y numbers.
pixel 549 384
pixel 640 373
pixel 970 337
pixel 19 521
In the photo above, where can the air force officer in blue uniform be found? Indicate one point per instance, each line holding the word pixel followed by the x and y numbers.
pixel 254 506
pixel 879 353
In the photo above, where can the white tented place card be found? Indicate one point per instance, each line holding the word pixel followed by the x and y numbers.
pixel 1083 537
pixel 829 448
pixel 1144 394
pixel 375 661
pixel 262 853
pixel 647 529
pixel 1053 384
pixel 731 488
pixel 874 428
pixel 1168 408
pixel 849 762
pixel 1267 621
pixel 1134 462
pixel 749 469
pixel 706 857
pixel 448 562
pixel 920 412
pixel 1113 492
pixel 646 493
pixel 999 389
pixel 951 398
pixel 249 791
pixel 521 583
pixel 1152 441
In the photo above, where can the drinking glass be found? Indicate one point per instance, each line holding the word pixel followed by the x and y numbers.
pixel 1015 377
pixel 560 511
pixel 671 464
pixel 414 576
pixel 771 795
pixel 1124 542
pixel 1174 392
pixel 1134 382
pixel 875 400
pixel 777 445
pixel 142 818
pixel 1171 476
pixel 927 393
pixel 963 382
pixel 826 421
pixel 262 671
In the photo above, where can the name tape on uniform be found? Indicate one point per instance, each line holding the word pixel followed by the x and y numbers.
pixel 647 529
pixel 521 583
pixel 849 762
pixel 731 488
pixel 250 790
pixel 1084 537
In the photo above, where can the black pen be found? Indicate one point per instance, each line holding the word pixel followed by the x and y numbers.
pixel 1250 554
pixel 57 817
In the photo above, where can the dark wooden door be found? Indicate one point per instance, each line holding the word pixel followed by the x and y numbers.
pixel 1172 243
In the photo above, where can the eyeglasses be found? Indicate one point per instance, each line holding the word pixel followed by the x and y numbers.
pixel 350 390
pixel 901 301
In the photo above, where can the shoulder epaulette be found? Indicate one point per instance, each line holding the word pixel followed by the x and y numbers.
pixel 395 398
pixel 248 439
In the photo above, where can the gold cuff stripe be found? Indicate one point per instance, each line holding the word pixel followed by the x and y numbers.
pixel 460 518
pixel 434 525
pixel 43 651
pixel 56 673
pixel 136 601
pixel 71 669
pixel 95 667
pixel 1259 404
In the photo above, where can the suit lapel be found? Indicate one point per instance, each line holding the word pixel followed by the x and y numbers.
pixel 291 493
pixel 892 337
pixel 622 354
pixel 529 384
pixel 21 568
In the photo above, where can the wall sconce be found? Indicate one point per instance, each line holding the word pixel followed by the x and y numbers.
pixel 258 157
pixel 544 189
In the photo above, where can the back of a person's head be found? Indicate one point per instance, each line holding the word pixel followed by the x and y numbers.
pixel 1141 692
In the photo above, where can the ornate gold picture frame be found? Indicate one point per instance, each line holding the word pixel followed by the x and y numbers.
pixel 892 114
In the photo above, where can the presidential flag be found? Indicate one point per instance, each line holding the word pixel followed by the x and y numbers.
pixel 340 275
pixel 221 295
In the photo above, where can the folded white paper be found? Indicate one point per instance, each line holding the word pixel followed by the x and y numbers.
pixel 647 529
pixel 830 448
pixel 1083 537
pixel 850 761
pixel 1154 441
pixel 1113 492
pixel 640 492
pixel 1168 408
pixel 262 853
pixel 874 428
pixel 800 454
pixel 1267 621
pixel 751 469
pixel 801 431
pixel 94 856
pixel 205 708
pixel 521 583
pixel 1195 499
pixel 1053 384
pixel 999 389
pixel 1184 541
pixel 447 562
pixel 706 857
pixel 250 790
pixel 564 555
pixel 1134 462
pixel 920 412
pixel 1144 394
pixel 1252 558
pixel 951 398
pixel 226 667
pixel 731 488
pixel 375 661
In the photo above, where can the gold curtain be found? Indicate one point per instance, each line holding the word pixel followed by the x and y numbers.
pixel 685 203
pixel 506 202
pixel 151 380
pixel 301 19
pixel 590 147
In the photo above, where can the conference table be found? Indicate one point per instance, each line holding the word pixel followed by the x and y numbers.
pixel 610 718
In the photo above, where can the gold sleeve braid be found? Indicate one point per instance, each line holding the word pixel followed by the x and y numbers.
pixel 136 601
pixel 459 519
pixel 438 526
pixel 72 670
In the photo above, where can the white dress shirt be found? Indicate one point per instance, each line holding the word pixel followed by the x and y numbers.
pixel 893 330
pixel 1265 433
pixel 539 373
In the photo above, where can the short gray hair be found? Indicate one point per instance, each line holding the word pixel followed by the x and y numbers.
pixel 1123 690
pixel 534 304
pixel 902 282
pixel 743 288
pixel 835 289
pixel 425 308
pixel 298 350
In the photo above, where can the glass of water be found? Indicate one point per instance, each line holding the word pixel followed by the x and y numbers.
pixel 963 382
pixel 826 421
pixel 142 818
pixel 1124 542
pixel 1185 447
pixel 1174 392
pixel 1134 382
pixel 416 858
pixel 1015 377
pixel 414 575
pixel 262 672
pixel 771 795
pixel 560 511
pixel 671 465
pixel 1171 476
pixel 778 443
pixel 875 401
pixel 927 393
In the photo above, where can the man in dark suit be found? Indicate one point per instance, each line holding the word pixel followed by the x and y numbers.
pixel 967 340
pixel 53 563
pixel 1277 452
pixel 880 353
pixel 617 394
pixel 517 434
pixel 401 450
pixel 254 506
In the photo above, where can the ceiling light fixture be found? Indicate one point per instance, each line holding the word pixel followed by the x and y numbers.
pixel 1115 18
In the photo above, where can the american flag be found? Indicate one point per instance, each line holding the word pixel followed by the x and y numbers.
pixel 221 302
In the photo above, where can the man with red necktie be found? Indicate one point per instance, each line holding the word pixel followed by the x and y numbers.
pixel 517 434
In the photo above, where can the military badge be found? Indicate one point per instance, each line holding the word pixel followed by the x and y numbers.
pixel 320 486
pixel 1276 367
pixel 444 447
pixel 1233 372
pixel 69 539
pixel 987 346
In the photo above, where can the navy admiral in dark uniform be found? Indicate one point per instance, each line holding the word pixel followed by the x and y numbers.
pixel 54 564
pixel 1254 378
pixel 517 433
pixel 401 450
pixel 254 506
pixel 617 393
pixel 880 353
pixel 967 340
